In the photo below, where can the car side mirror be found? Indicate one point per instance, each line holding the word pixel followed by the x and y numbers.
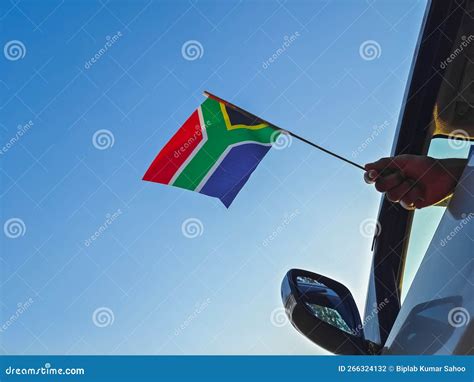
pixel 324 311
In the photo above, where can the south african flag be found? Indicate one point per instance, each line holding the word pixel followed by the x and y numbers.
pixel 214 152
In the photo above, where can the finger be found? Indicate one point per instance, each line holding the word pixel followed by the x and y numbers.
pixel 413 196
pixel 397 193
pixel 422 203
pixel 398 162
pixel 386 183
pixel 404 159
pixel 378 165
pixel 409 164
pixel 370 176
pixel 409 207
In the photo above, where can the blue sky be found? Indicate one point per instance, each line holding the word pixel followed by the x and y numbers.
pixel 156 290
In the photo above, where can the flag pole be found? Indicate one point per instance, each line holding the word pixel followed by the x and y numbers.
pixel 245 112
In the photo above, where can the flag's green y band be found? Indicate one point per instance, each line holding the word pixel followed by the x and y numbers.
pixel 219 138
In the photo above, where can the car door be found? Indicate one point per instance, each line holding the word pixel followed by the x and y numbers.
pixel 436 315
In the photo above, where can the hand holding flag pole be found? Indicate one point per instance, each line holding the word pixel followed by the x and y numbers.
pixel 254 117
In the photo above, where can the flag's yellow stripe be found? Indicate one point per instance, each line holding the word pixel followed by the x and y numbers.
pixel 233 127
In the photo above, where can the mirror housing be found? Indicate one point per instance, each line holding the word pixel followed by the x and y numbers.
pixel 324 311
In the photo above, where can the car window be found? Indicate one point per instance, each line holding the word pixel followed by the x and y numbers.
pixel 426 221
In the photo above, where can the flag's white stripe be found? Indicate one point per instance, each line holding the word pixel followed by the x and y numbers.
pixel 195 151
pixel 221 158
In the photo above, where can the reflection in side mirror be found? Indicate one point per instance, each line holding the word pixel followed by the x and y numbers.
pixel 325 304
pixel 324 311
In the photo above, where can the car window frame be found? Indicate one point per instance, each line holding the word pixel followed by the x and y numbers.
pixel 438 31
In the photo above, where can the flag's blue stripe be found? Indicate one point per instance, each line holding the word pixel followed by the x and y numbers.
pixel 234 171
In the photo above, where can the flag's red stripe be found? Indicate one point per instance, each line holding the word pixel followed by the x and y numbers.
pixel 176 151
